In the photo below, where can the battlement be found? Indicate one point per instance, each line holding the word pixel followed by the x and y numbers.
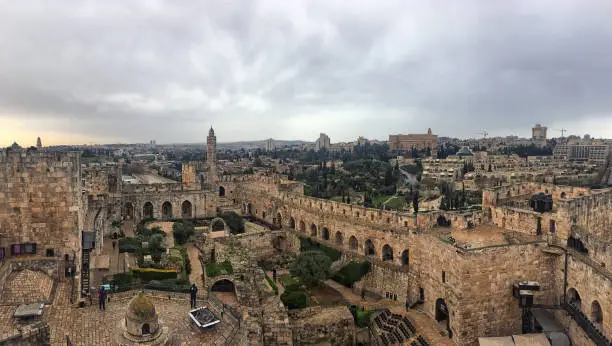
pixel 493 196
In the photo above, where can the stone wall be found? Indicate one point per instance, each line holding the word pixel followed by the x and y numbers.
pixel 265 244
pixel 36 333
pixel 40 199
pixel 323 324
pixel 276 327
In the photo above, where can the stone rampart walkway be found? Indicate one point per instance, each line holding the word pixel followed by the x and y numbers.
pixel 196 267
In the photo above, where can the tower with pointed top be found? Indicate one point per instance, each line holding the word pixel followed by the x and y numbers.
pixel 38 143
pixel 211 155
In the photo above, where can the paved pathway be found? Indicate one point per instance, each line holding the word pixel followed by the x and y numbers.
pixel 355 299
pixel 196 267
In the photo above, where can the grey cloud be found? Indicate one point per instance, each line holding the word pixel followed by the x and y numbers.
pixel 258 69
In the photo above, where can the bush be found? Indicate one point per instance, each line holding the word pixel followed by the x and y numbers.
pixel 295 300
pixel 362 318
pixel 352 272
pixel 148 274
pixel 129 245
pixel 311 267
pixel 287 280
pixel 169 285
pixel 216 269
pixel 272 284
pixel 234 221
pixel 182 231
pixel 121 282
pixel 308 245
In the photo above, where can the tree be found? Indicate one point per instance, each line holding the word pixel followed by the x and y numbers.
pixel 182 231
pixel 311 267
pixel 415 201
pixel 428 152
pixel 257 162
pixel 490 170
pixel 234 221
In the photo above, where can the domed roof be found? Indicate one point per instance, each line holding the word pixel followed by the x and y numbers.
pixel 141 308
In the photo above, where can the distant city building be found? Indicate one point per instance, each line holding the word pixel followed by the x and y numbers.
pixel 594 152
pixel 323 142
pixel 417 141
pixel 361 140
pixel 539 132
pixel 38 143
pixel 270 145
pixel 340 147
pixel 153 143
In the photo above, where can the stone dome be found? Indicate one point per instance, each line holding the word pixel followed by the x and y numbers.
pixel 141 308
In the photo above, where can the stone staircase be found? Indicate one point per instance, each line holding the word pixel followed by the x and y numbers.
pixel 394 329
pixel 85 272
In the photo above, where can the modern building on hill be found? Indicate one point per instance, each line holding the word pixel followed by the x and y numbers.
pixel 594 152
pixel 417 141
pixel 270 144
pixel 323 142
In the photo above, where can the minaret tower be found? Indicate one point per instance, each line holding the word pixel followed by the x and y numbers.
pixel 211 155
pixel 38 143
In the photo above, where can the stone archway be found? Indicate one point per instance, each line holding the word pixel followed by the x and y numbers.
pixel 292 224
pixel 353 243
pixel 214 224
pixel 167 210
pixel 186 210
pixel 313 230
pixel 224 290
pixel 278 222
pixel 573 298
pixel 129 211
pixel 339 238
pixel 249 209
pixel 387 253
pixel 443 316
pixel 325 234
pixel 221 191
pixel 302 227
pixel 369 249
pixel 147 210
pixel 405 257
pixel 596 313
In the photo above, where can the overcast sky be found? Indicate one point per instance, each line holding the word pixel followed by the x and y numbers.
pixel 130 71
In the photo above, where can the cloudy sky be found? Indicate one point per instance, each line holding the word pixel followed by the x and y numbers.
pixel 130 71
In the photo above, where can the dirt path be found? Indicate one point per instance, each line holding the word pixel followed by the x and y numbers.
pixel 355 299
pixel 196 267
pixel 167 228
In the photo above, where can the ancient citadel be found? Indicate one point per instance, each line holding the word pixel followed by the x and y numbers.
pixel 459 268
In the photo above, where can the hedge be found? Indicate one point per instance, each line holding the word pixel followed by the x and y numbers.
pixel 352 272
pixel 216 269
pixel 148 274
pixel 309 245
pixel 120 282
pixel 169 285
pixel 129 244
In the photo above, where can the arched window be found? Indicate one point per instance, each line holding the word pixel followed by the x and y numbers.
pixel 405 257
pixel 573 298
pixel 387 253
pixel 339 238
pixel 147 210
pixel 313 230
pixel 292 224
pixel 369 248
pixel 167 210
pixel 596 313
pixel 302 227
pixel 325 233
pixel 353 244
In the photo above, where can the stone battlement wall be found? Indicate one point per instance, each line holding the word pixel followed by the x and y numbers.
pixel 102 180
pixel 318 324
pixel 493 196
pixel 40 200
pixel 152 188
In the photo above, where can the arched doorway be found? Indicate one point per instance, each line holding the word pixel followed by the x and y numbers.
pixel 573 298
pixel 147 210
pixel 353 243
pixel 129 211
pixel 325 233
pixel 442 316
pixel 405 258
pixel 221 191
pixel 302 227
pixel 186 210
pixel 387 253
pixel 369 248
pixel 292 224
pixel 167 210
pixel 313 230
pixel 249 209
pixel 339 238
pixel 279 220
pixel 596 314
pixel 146 329
pixel 224 290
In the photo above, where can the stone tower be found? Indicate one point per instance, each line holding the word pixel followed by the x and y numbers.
pixel 211 156
pixel 38 143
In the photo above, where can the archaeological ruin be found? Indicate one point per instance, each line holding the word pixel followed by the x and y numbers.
pixel 457 269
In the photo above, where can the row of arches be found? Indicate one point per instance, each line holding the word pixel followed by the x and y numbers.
pixel 148 211
pixel 353 244
pixel 596 313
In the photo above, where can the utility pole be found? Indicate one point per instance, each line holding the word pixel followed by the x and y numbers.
pixel 563 132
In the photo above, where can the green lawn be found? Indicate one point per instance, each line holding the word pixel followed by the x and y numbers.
pixel 396 203
pixel 287 280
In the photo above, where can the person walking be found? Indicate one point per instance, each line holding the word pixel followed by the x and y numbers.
pixel 102 298
pixel 193 291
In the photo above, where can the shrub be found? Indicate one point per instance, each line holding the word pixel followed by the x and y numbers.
pixel 308 245
pixel 234 221
pixel 272 284
pixel 361 317
pixel 287 280
pixel 169 285
pixel 216 269
pixel 129 245
pixel 182 231
pixel 148 274
pixel 121 282
pixel 311 267
pixel 295 300
pixel 352 272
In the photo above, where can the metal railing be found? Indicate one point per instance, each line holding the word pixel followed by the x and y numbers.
pixel 585 323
